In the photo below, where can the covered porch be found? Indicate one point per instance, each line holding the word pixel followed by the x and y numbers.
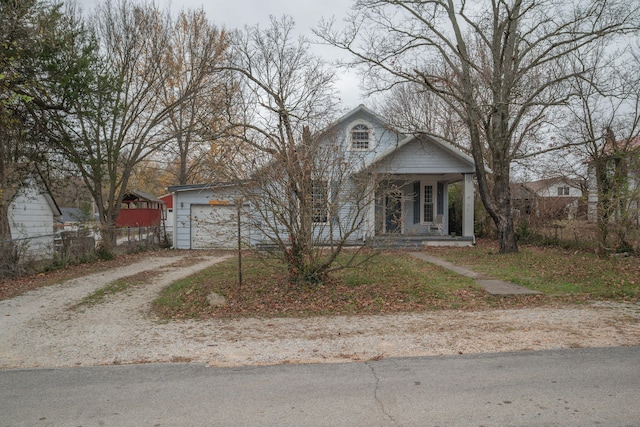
pixel 412 204
pixel 413 211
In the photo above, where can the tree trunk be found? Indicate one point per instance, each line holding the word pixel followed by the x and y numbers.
pixel 184 155
pixel 107 231
pixel 506 234
pixel 501 212
pixel 496 198
pixel 5 230
pixel 603 205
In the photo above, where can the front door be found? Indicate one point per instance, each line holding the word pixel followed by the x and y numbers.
pixel 393 212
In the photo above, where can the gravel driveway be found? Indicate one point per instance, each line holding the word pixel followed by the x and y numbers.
pixel 46 328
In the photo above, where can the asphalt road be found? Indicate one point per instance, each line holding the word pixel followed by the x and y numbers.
pixel 578 387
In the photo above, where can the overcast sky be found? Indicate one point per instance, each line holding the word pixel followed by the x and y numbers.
pixel 306 13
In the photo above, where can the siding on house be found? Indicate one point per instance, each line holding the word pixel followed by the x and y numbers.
pixel 182 214
pixel 419 155
pixel 31 218
pixel 555 187
pixel 383 139
pixel 559 190
pixel 185 198
pixel 168 222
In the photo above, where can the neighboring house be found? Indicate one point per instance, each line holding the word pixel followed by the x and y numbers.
pixel 140 218
pixel 523 200
pixel 32 216
pixel 76 231
pixel 75 218
pixel 551 198
pixel 140 209
pixel 413 205
pixel 626 159
pixel 71 218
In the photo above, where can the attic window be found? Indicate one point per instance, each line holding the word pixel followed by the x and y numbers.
pixel 360 135
pixel 563 191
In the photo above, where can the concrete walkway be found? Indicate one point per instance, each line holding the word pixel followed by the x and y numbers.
pixel 492 286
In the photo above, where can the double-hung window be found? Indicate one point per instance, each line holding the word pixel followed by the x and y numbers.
pixel 428 204
pixel 319 200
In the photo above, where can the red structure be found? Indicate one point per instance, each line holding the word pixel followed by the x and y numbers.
pixel 168 200
pixel 140 209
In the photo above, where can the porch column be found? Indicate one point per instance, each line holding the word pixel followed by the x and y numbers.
pixel 467 203
pixel 370 221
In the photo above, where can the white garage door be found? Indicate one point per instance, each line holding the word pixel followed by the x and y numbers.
pixel 214 227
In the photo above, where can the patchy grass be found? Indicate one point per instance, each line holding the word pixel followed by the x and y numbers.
pixel 393 282
pixel 139 279
pixel 396 282
pixel 121 285
pixel 553 270
pixel 10 288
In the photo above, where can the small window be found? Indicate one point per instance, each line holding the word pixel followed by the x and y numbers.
pixel 428 203
pixel 360 137
pixel 319 200
pixel 563 191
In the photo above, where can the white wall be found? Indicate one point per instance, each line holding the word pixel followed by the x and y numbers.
pixel 31 220
pixel 182 210
pixel 552 191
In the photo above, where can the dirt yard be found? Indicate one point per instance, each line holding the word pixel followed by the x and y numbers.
pixel 46 327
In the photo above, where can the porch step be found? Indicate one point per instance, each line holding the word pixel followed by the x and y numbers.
pixel 413 242
pixel 395 244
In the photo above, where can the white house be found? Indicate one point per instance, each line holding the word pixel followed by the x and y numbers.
pixel 412 204
pixel 550 198
pixel 556 187
pixel 32 215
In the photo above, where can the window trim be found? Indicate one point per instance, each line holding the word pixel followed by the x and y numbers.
pixel 317 218
pixel 433 203
pixel 434 189
pixel 370 142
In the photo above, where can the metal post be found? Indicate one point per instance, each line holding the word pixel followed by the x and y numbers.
pixel 238 202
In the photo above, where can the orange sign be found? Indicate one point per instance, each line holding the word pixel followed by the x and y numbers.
pixel 219 202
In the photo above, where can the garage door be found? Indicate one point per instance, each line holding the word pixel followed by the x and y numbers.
pixel 214 227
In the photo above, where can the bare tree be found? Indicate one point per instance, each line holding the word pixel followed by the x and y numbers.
pixel 500 65
pixel 189 145
pixel 413 109
pixel 120 123
pixel 295 175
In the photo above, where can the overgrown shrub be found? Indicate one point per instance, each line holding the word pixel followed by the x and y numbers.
pixel 11 258
pixel 104 253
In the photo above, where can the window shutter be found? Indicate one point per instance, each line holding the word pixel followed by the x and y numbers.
pixel 440 206
pixel 416 202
